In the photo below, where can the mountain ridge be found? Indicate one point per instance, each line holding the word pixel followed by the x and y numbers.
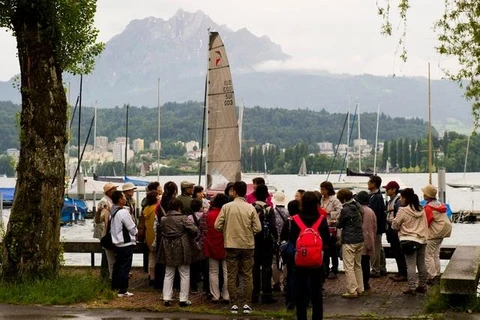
pixel 175 50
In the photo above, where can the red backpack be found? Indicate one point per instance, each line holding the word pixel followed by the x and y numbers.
pixel 309 247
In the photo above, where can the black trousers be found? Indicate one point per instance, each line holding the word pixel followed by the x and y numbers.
pixel 366 271
pixel 331 256
pixel 305 279
pixel 121 268
pixel 397 252
pixel 262 274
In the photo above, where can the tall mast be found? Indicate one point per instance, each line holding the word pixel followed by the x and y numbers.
pixel 158 130
pixel 376 142
pixel 430 148
pixel 359 141
pixel 466 157
pixel 95 140
pixel 126 140
pixel 348 131
pixel 67 153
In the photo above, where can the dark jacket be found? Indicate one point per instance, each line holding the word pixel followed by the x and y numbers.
pixel 266 239
pixel 377 204
pixel 350 221
pixel 186 201
pixel 175 245
pixel 291 230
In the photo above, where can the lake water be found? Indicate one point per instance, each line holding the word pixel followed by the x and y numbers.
pixel 459 199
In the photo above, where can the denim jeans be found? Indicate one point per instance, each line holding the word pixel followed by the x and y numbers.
pixel 415 261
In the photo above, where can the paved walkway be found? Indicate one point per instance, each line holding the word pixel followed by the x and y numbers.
pixel 385 300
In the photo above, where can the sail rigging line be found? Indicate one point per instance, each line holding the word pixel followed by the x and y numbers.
pixel 218 94
pixel 74 111
pixel 203 130
pixel 223 128
pixel 338 144
pixel 79 117
pixel 83 151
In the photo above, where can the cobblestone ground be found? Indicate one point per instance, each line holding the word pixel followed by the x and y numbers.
pixel 385 299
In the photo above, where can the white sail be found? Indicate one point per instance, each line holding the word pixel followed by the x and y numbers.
pixel 303 168
pixel 223 146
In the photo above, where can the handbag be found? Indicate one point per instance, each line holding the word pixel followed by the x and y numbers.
pixel 287 248
pixel 287 251
pixel 141 228
pixel 409 246
pixel 106 241
pixel 98 230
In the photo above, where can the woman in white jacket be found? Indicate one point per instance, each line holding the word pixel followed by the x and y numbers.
pixel 411 224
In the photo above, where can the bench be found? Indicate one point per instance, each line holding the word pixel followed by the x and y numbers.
pixel 93 246
pixel 460 280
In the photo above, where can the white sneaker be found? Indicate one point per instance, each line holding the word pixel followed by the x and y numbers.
pixel 234 309
pixel 126 294
pixel 247 309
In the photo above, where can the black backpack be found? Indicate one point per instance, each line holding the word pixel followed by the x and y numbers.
pixel 264 214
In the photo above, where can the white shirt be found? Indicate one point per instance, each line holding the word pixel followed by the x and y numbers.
pixel 122 217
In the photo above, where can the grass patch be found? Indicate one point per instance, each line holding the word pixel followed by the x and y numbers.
pixel 438 303
pixel 69 287
pixel 435 301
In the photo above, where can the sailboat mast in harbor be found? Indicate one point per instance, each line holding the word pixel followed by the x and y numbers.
pixel 158 129
pixel 430 148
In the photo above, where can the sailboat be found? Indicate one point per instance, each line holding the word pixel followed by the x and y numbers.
pixel 355 180
pixel 222 132
pixel 465 184
pixel 303 169
pixel 125 178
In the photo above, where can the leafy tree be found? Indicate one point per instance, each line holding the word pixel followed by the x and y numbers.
pixel 6 166
pixel 406 153
pixel 52 36
pixel 458 34
pixel 393 152
pixel 385 154
pixel 400 154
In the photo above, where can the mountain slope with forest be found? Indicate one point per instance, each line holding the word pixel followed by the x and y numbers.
pixel 183 122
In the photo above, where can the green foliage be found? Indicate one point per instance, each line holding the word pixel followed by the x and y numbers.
pixel 68 288
pixel 78 48
pixel 386 28
pixel 459 37
pixel 6 166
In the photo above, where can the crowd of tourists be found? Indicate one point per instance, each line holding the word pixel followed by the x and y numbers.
pixel 239 248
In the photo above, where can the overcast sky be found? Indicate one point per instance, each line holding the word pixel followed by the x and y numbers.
pixel 337 36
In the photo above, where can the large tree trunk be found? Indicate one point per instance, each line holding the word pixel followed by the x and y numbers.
pixel 31 244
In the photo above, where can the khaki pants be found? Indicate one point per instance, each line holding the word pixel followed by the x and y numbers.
pixel 279 276
pixel 240 263
pixel 432 257
pixel 378 261
pixel 352 264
